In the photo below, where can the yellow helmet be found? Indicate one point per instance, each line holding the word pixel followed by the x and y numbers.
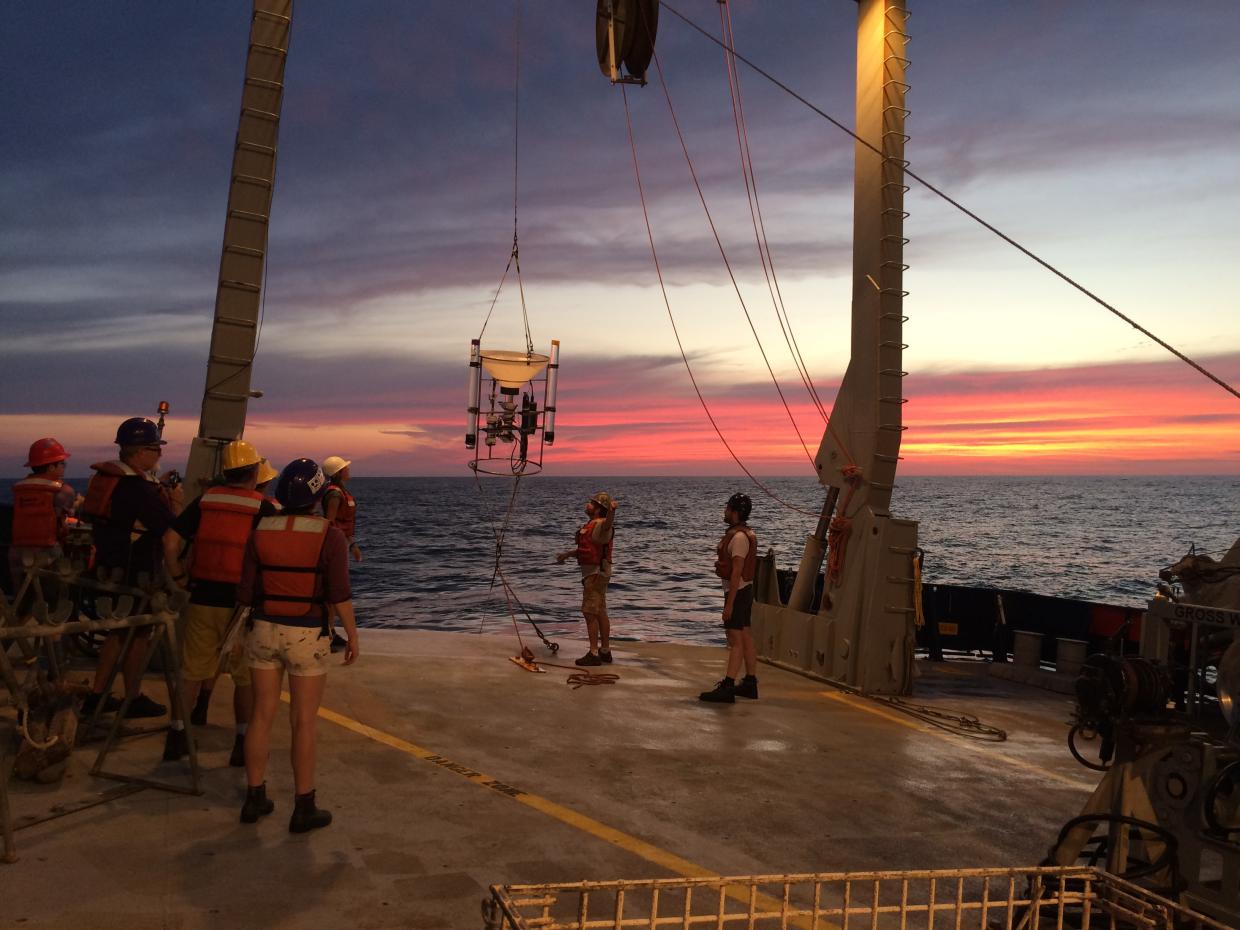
pixel 334 464
pixel 266 472
pixel 239 454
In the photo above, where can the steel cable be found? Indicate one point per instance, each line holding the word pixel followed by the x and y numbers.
pixel 959 206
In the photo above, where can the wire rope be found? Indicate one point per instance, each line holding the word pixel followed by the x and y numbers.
pixel 654 254
pixel 959 206
pixel 724 255
pixel 749 176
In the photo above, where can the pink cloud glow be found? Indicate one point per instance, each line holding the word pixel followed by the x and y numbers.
pixel 1149 417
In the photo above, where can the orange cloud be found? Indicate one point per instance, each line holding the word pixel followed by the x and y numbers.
pixel 1150 417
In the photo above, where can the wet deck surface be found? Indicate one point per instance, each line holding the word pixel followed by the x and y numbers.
pixel 448 768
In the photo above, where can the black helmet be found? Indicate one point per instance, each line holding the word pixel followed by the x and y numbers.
pixel 740 504
pixel 138 431
pixel 301 484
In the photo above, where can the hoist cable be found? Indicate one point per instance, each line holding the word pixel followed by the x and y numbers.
pixel 724 255
pixel 641 193
pixel 750 177
pixel 514 256
pixel 959 206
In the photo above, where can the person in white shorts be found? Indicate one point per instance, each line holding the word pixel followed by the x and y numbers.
pixel 295 575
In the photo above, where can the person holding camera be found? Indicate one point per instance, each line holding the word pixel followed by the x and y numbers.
pixel 129 510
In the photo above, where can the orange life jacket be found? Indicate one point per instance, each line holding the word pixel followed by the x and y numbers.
pixel 723 561
pixel 219 545
pixel 35 521
pixel 289 547
pixel 98 502
pixel 588 551
pixel 346 513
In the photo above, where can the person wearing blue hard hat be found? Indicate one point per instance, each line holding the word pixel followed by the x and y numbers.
pixel 129 510
pixel 294 578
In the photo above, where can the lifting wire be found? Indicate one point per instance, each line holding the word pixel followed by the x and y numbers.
pixel 955 203
pixel 724 255
pixel 497 571
pixel 750 178
pixel 654 254
pixel 514 263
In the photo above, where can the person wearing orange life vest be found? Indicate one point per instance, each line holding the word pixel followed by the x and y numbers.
pixel 735 562
pixel 217 527
pixel 198 716
pixel 340 507
pixel 295 576
pixel 129 510
pixel 595 540
pixel 42 503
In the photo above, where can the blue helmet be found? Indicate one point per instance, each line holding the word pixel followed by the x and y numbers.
pixel 301 484
pixel 138 431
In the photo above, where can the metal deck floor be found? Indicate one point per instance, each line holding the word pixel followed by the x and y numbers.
pixel 449 768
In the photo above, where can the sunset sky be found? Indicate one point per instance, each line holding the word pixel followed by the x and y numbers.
pixel 1104 136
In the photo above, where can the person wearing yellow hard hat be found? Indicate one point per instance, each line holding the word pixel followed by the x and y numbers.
pixel 215 527
pixel 340 508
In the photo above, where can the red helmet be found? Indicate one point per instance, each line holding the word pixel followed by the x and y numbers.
pixel 45 452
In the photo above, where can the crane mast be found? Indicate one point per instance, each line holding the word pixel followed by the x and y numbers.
pixel 243 260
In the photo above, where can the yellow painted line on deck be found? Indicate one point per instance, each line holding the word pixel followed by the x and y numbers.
pixel 895 717
pixel 618 838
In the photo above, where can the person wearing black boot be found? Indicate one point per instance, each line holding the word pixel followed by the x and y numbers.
pixel 295 576
pixel 735 562
pixel 215 527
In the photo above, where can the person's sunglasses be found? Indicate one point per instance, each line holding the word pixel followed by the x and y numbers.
pixel 158 449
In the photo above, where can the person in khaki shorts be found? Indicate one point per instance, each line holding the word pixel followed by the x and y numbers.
pixel 217 527
pixel 295 576
pixel 593 554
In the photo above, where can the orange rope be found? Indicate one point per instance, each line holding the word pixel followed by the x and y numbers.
pixel 580 676
pixel 840 528
pixel 724 255
pixel 749 176
pixel 654 254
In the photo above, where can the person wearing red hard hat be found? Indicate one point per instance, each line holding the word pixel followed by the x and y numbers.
pixel 42 504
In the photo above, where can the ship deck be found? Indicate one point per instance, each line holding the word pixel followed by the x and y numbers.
pixel 448 768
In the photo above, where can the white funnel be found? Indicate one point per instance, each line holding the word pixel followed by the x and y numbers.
pixel 513 369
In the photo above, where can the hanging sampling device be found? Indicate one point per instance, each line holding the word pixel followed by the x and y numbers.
pixel 513 427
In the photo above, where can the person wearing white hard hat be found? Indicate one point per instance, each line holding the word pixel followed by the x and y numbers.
pixel 340 509
pixel 216 528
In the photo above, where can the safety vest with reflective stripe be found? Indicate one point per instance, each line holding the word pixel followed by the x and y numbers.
pixel 35 521
pixel 227 522
pixel 289 548
pixel 346 513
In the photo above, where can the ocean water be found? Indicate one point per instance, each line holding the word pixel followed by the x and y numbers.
pixel 429 543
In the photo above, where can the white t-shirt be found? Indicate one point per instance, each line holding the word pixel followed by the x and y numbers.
pixel 738 548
